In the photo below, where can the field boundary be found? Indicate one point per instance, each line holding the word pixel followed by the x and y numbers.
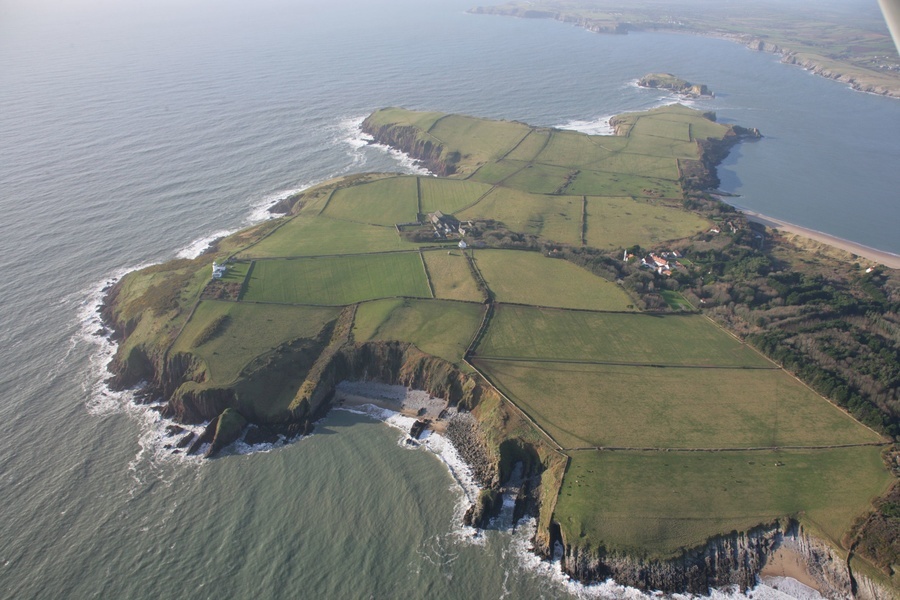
pixel 744 449
pixel 532 422
pixel 427 275
pixel 576 361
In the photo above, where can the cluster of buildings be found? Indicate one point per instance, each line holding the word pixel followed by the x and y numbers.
pixel 218 270
pixel 663 262
pixel 447 225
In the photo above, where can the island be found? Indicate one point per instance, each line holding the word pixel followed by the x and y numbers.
pixel 678 395
pixel 848 43
pixel 667 81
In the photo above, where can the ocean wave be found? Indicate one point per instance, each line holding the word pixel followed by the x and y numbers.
pixel 358 141
pixel 201 245
pixel 598 126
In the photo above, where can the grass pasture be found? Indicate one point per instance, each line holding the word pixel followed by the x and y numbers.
pixel 437 327
pixel 541 179
pixel 662 127
pixel 626 163
pixel 628 406
pixel 317 236
pixel 543 333
pixel 449 195
pixel 451 276
pixel 479 140
pixel 496 172
pixel 599 183
pixel 654 503
pixel 422 120
pixel 574 149
pixel 381 202
pixel 620 222
pixel 531 278
pixel 243 331
pixel 555 218
pixel 530 147
pixel 337 280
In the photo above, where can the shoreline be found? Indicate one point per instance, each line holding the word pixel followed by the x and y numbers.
pixel 883 257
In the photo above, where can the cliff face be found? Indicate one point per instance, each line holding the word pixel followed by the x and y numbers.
pixel 734 559
pixel 792 58
pixel 406 139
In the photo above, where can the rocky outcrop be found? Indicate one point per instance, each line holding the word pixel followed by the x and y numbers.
pixel 700 175
pixel 464 432
pixel 408 139
pixel 229 427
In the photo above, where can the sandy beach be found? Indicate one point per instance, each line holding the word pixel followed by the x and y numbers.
pixel 410 403
pixel 888 259
pixel 787 563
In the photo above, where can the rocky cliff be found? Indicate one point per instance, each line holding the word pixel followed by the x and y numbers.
pixel 735 559
pixel 406 138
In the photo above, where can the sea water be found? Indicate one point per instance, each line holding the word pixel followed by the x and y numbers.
pixel 135 133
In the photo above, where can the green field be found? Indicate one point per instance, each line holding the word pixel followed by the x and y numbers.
pixel 545 333
pixel 541 179
pixel 597 183
pixel 229 348
pixel 655 504
pixel 449 195
pixel 382 202
pixel 529 148
pixel 628 406
pixel 337 280
pixel 555 218
pixel 531 278
pixel 573 149
pixel 479 140
pixel 451 276
pixel 437 327
pixel 317 236
pixel 622 222
pixel 497 172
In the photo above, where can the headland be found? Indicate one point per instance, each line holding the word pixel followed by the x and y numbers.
pixel 596 325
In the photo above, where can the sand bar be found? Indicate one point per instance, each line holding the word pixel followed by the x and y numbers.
pixel 888 259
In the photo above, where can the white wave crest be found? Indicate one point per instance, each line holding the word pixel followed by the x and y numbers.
pixel 200 245
pixel 359 141
pixel 598 126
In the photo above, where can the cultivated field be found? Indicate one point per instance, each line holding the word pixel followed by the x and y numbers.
pixel 228 335
pixel 531 278
pixel 451 276
pixel 641 339
pixel 655 504
pixel 437 327
pixel 647 407
pixel 337 280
